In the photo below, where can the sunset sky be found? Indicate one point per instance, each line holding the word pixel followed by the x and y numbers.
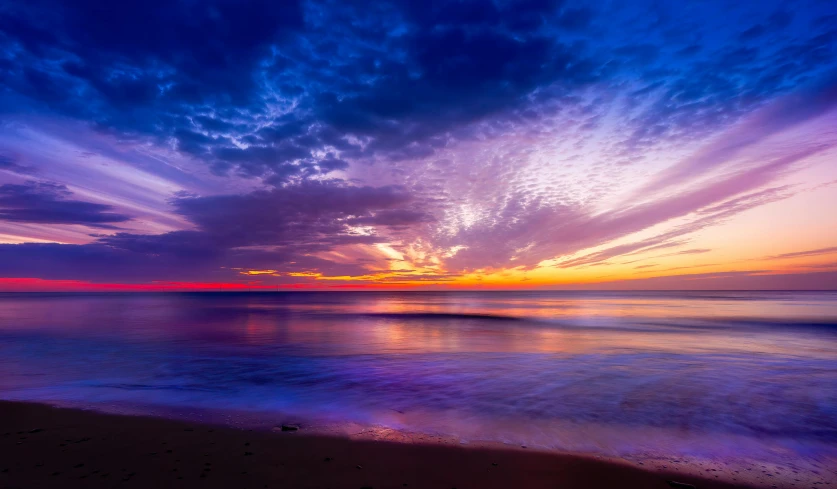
pixel 168 145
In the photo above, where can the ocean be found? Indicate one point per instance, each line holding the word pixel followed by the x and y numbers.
pixel 706 375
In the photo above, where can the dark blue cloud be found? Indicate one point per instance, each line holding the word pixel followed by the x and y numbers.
pixel 220 80
pixel 45 203
pixel 266 88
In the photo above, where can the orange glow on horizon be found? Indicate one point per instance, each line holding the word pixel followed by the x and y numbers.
pixel 499 280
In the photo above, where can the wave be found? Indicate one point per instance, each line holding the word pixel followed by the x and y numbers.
pixel 608 323
pixel 441 315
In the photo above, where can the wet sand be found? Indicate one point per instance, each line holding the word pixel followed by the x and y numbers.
pixel 43 446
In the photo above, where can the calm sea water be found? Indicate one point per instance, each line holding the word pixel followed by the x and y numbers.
pixel 711 374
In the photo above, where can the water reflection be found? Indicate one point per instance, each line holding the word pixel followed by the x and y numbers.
pixel 556 369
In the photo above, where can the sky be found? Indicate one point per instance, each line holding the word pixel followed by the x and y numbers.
pixel 476 144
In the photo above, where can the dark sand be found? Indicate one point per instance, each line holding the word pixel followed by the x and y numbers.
pixel 42 446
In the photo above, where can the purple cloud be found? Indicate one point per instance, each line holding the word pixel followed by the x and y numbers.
pixel 311 213
pixel 548 232
pixel 10 164
pixel 278 228
pixel 797 254
pixel 525 232
pixel 782 114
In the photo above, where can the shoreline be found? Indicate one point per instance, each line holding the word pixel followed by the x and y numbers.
pixel 46 446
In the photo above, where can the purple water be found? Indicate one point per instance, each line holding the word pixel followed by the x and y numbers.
pixel 711 375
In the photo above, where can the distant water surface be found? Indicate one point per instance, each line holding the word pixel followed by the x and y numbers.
pixel 708 374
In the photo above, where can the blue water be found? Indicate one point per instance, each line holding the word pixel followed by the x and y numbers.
pixel 710 374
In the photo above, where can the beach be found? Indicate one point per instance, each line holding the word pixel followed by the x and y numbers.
pixel 43 446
